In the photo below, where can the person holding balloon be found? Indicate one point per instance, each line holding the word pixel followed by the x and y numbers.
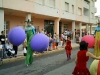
pixel 97 40
pixel 81 60
pixel 38 43
pixel 30 32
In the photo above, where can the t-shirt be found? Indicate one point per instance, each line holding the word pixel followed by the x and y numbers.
pixel 2 39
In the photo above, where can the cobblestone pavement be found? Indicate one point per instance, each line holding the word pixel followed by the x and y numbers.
pixel 51 64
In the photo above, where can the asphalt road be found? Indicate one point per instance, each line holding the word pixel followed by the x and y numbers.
pixel 51 64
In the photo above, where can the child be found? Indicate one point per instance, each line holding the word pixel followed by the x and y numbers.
pixel 68 48
pixel 81 60
pixel 10 50
pixel 1 48
pixel 50 42
pixel 61 40
pixel 25 47
pixel 54 42
pixel 57 42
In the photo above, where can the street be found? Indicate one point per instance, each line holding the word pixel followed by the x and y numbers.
pixel 51 64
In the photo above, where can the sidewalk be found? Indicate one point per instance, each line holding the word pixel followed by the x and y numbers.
pixel 20 55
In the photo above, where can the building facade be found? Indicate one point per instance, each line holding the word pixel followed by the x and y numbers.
pixel 96 24
pixel 51 15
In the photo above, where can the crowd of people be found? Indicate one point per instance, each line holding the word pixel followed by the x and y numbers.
pixel 64 40
pixel 6 48
pixel 55 40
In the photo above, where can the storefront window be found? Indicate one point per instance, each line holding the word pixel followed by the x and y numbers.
pixel 6 27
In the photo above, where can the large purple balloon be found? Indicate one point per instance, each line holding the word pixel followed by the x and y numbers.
pixel 16 36
pixel 39 42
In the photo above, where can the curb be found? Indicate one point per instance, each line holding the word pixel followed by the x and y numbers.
pixel 8 60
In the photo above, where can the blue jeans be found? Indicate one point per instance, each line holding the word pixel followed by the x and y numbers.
pixel 4 51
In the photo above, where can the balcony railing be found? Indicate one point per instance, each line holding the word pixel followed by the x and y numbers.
pixel 86 5
pixel 86 19
pixel 87 1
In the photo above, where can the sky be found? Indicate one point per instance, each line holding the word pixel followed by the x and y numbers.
pixel 97 5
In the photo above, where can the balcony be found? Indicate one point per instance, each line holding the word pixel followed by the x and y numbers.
pixel 93 9
pixel 46 10
pixel 93 20
pixel 23 5
pixel 86 19
pixel 68 15
pixel 86 5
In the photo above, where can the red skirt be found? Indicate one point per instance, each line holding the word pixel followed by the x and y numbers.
pixel 81 71
pixel 68 47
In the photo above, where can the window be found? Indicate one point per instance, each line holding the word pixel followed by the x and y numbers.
pixel 6 27
pixel 79 11
pixel 73 9
pixel 52 3
pixel 66 6
pixel 65 27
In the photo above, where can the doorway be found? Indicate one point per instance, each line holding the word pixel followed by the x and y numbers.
pixel 49 27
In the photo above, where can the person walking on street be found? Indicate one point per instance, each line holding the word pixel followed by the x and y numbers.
pixel 68 48
pixel 30 32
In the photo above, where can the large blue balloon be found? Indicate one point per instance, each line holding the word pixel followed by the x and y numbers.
pixel 16 36
pixel 39 42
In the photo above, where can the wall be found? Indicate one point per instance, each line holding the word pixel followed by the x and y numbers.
pixel 15 21
pixel 1 20
pixel 79 4
pixel 42 7
pixel 23 5
pixel 92 10
pixel 0 3
pixel 38 22
pixel 20 21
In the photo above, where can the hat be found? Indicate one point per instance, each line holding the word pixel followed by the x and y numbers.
pixel 29 21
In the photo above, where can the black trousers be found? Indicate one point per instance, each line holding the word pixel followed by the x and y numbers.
pixel 16 49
